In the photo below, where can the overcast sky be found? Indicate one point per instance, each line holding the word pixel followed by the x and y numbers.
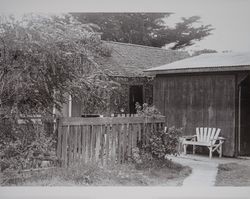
pixel 230 18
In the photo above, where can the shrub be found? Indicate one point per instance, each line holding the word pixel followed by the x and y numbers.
pixel 26 148
pixel 160 141
pixel 146 110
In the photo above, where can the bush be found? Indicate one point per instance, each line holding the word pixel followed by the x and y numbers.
pixel 146 110
pixel 25 147
pixel 160 142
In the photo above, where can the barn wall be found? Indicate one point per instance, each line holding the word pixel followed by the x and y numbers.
pixel 198 100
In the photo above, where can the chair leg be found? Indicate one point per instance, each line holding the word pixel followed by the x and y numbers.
pixel 194 149
pixel 220 151
pixel 185 149
pixel 210 151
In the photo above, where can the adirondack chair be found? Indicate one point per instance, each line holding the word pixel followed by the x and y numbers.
pixel 208 137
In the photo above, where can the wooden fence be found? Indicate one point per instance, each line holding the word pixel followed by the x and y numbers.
pixel 107 140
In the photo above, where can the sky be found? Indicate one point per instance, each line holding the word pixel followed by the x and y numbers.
pixel 230 18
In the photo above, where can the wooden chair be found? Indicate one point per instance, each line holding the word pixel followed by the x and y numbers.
pixel 208 137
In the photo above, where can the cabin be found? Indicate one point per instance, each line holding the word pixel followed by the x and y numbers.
pixel 126 64
pixel 209 90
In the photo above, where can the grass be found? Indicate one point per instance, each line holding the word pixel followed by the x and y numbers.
pixel 233 174
pixel 92 175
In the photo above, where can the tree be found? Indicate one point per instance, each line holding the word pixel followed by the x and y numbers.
pixel 146 28
pixel 44 57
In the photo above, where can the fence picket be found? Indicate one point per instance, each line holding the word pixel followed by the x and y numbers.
pixel 83 152
pixel 107 131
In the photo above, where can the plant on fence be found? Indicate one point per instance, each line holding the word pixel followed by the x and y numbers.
pixel 160 143
pixel 146 110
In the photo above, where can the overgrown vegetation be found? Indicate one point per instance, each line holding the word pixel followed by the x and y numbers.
pixel 43 58
pixel 233 174
pixel 28 148
pixel 93 175
pixel 161 141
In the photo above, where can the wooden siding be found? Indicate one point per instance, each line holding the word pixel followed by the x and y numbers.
pixel 191 101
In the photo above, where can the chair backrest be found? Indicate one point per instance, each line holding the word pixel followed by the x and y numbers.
pixel 206 134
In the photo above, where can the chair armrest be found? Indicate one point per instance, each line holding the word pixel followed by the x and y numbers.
pixel 219 138
pixel 189 137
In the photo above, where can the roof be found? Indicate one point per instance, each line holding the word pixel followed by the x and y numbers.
pixel 131 60
pixel 206 63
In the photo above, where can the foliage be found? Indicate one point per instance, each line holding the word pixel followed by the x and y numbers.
pixel 146 28
pixel 146 110
pixel 29 145
pixel 161 143
pixel 45 57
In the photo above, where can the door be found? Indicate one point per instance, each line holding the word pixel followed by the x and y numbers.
pixel 244 118
pixel 135 95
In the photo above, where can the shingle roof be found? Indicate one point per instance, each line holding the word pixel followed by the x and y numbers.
pixel 206 63
pixel 131 60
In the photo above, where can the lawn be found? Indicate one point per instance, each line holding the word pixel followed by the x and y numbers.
pixel 92 175
pixel 233 174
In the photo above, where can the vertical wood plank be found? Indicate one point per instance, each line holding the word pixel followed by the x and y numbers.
pixel 59 141
pixel 83 152
pixel 65 146
pixel 139 132
pixel 102 143
pixel 70 152
pixel 98 141
pixel 87 144
pixel 107 131
pixel 118 143
pixel 79 144
pixel 93 142
pixel 75 144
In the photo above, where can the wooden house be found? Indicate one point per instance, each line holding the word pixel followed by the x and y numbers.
pixel 126 64
pixel 209 90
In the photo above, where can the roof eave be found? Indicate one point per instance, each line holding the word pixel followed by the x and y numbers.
pixel 199 70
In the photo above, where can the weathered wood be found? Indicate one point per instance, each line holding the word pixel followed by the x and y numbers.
pixel 107 131
pixel 101 142
pixel 79 144
pixel 59 140
pixel 198 100
pixel 70 146
pixel 88 143
pixel 108 120
pixel 102 135
pixel 118 143
pixel 75 144
pixel 64 145
pixel 113 146
pixel 83 152
pixel 93 142
pixel 98 142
